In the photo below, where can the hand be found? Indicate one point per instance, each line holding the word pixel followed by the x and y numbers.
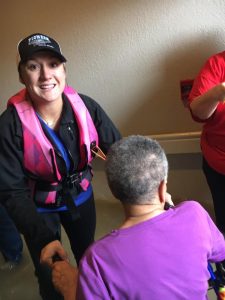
pixel 64 278
pixel 169 199
pixel 52 249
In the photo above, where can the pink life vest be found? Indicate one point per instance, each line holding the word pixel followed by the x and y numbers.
pixel 39 154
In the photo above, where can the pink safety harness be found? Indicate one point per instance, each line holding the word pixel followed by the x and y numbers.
pixel 39 154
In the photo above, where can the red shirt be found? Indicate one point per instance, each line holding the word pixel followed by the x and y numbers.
pixel 213 133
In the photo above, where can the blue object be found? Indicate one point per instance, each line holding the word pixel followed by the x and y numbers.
pixel 217 280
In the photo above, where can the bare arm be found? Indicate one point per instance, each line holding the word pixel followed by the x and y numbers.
pixel 64 278
pixel 205 105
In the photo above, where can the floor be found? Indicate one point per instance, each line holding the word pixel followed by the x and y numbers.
pixel 20 284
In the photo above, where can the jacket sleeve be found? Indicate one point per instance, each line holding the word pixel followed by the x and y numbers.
pixel 14 190
pixel 107 131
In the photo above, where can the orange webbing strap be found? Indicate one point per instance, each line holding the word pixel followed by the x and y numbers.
pixel 98 152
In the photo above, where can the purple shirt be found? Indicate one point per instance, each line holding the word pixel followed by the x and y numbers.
pixel 162 258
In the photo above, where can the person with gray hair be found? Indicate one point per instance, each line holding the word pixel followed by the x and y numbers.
pixel 157 252
pixel 136 160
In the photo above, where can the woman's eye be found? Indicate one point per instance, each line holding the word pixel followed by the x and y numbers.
pixel 32 67
pixel 54 64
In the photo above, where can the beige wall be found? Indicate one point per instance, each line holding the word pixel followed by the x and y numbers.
pixel 185 182
pixel 128 54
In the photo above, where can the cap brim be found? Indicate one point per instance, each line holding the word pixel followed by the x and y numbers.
pixel 57 54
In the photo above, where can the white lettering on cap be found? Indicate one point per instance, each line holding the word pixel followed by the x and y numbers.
pixel 38 37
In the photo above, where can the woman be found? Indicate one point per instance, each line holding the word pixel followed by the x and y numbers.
pixel 206 103
pixel 46 142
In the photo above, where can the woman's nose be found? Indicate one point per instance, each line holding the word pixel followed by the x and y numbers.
pixel 45 72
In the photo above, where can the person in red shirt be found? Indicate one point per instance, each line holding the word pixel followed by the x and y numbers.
pixel 206 103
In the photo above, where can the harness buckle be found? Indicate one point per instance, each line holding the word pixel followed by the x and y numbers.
pixel 73 179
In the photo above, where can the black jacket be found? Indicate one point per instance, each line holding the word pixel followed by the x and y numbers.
pixel 14 191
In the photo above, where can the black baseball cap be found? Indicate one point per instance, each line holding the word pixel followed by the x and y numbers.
pixel 38 42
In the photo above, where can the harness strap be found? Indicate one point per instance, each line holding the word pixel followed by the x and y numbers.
pixel 80 199
pixel 71 181
pixel 72 207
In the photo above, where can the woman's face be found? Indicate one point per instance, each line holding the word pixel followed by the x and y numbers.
pixel 44 76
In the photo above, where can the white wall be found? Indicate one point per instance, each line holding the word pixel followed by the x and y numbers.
pixel 128 54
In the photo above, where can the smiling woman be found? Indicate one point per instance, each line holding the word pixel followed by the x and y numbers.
pixel 44 76
pixel 42 70
pixel 48 132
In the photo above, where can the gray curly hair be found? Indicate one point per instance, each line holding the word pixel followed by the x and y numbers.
pixel 135 167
